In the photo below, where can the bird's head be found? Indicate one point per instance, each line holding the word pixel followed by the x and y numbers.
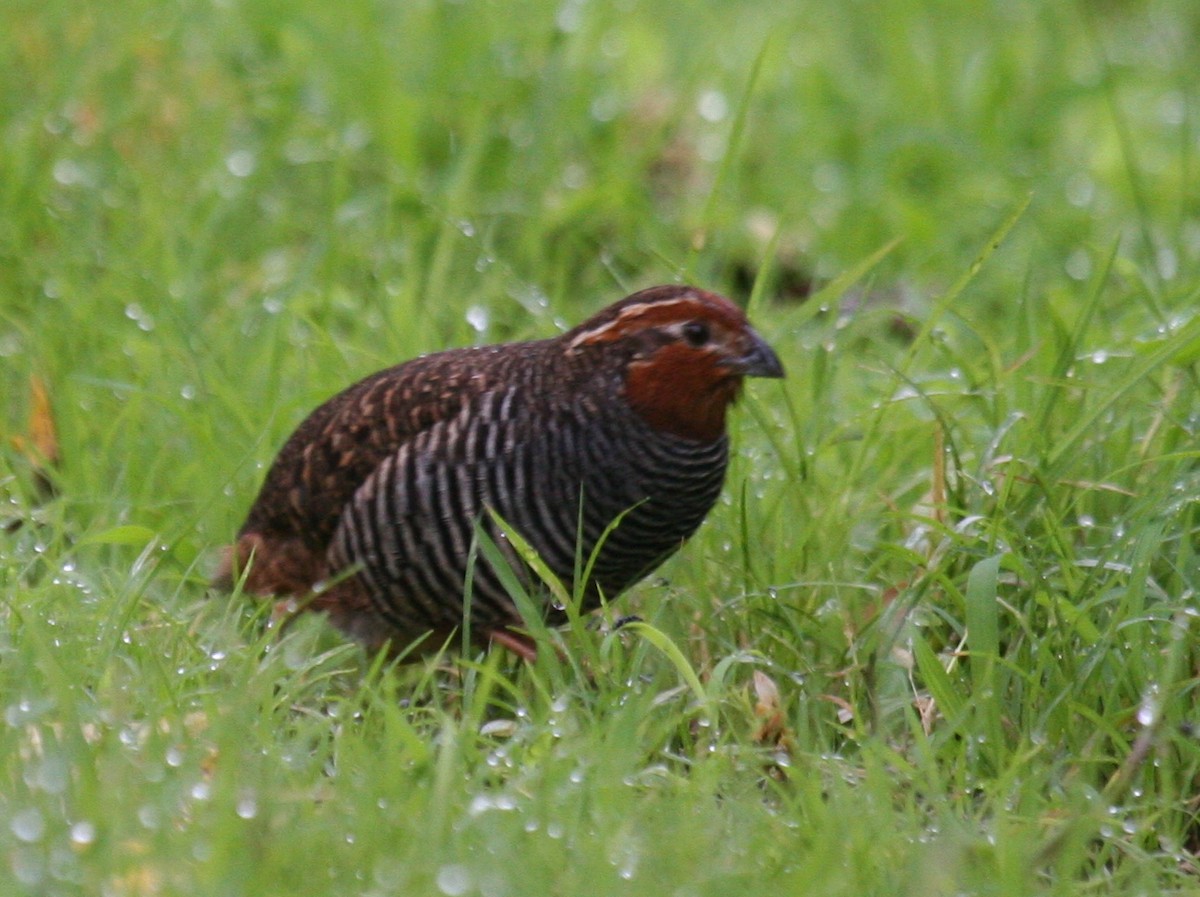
pixel 685 353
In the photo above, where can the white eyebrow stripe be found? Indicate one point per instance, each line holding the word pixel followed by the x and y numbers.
pixel 632 311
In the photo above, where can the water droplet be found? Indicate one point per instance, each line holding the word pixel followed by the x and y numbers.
pixel 69 173
pixel 1168 263
pixel 356 136
pixel 465 227
pixel 139 316
pixel 1148 711
pixel 52 775
pixel 148 816
pixel 247 807
pixel 241 163
pixel 28 867
pixel 128 736
pixel 1080 190
pixel 570 16
pixel 1172 108
pixel 83 833
pixel 712 106
pixel 499 728
pixel 605 107
pixel 454 880
pixel 174 756
pixel 477 317
pixel 574 176
pixel 28 825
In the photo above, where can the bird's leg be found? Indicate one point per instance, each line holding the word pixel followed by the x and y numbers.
pixel 521 645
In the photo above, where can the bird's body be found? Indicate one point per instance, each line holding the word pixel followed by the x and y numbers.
pixel 379 491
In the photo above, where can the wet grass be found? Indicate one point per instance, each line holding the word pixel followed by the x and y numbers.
pixel 939 636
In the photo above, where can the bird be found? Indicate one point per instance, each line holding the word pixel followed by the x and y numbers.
pixel 371 510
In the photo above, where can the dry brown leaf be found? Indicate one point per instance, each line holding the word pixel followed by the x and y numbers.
pixel 772 728
pixel 40 443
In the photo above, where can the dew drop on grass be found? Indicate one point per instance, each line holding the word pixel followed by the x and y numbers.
pixel 148 816
pixel 499 728
pixel 1168 263
pixel 477 316
pixel 494 883
pixel 69 173
pixel 247 807
pixel 52 774
pixel 1080 190
pixel 569 17
pixel 28 868
pixel 712 106
pixel 605 107
pixel 574 176
pixel 1148 710
pixel 28 825
pixel 136 313
pixel 454 880
pixel 83 833
pixel 241 163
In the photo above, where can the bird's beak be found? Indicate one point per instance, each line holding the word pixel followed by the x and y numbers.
pixel 759 359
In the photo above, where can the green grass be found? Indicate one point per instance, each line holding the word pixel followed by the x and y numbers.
pixel 960 539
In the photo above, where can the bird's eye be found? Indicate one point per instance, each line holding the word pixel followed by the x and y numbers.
pixel 696 333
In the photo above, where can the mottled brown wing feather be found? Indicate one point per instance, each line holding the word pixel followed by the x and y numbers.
pixel 334 450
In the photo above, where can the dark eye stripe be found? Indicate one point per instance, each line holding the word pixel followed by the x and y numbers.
pixel 696 333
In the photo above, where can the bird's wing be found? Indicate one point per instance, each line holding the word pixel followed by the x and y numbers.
pixel 333 452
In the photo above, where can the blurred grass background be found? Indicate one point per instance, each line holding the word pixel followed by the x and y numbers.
pixel 959 541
